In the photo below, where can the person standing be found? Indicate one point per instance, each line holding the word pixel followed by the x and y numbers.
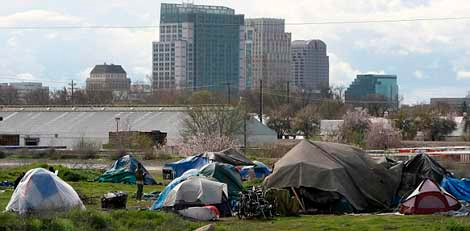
pixel 139 180
pixel 18 179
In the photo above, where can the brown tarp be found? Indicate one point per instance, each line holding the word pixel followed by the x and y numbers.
pixel 229 156
pixel 339 168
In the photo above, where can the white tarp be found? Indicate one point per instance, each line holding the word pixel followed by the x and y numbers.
pixel 197 190
pixel 42 191
pixel 206 213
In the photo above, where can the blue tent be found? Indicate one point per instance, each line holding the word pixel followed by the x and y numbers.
pixel 192 162
pixel 260 170
pixel 163 195
pixel 460 189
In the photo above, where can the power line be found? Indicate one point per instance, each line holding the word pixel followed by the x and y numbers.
pixel 106 27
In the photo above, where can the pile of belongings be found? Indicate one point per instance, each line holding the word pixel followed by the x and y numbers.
pixel 114 200
pixel 6 184
pixel 429 198
pixel 330 178
pixel 123 171
pixel 229 156
pixel 257 171
pixel 41 191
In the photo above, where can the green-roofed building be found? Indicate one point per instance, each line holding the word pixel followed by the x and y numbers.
pixel 370 88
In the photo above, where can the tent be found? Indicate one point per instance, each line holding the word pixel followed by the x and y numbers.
pixel 259 171
pixel 158 204
pixel 192 162
pixel 417 169
pixel 460 189
pixel 123 171
pixel 224 173
pixel 229 156
pixel 429 198
pixel 338 169
pixel 41 191
pixel 196 191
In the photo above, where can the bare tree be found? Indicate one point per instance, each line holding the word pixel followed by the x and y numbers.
pixel 213 121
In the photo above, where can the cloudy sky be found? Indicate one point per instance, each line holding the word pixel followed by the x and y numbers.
pixel 431 58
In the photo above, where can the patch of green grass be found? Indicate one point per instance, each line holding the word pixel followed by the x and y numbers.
pixel 255 182
pixel 99 220
pixel 65 173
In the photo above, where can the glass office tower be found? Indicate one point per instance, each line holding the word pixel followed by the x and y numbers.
pixel 200 47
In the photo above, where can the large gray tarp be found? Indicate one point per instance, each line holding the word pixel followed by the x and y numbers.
pixel 229 156
pixel 336 168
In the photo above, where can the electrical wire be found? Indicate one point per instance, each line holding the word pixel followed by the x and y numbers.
pixel 342 22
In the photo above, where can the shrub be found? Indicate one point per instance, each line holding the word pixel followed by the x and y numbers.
pixel 86 148
pixel 3 155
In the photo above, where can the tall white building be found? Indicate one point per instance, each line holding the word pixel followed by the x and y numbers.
pixel 310 65
pixel 267 53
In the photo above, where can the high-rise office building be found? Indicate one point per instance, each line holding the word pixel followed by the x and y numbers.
pixel 200 47
pixel 267 53
pixel 310 65
pixel 373 89
pixel 26 90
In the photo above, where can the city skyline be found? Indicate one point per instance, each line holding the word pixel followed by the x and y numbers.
pixel 430 61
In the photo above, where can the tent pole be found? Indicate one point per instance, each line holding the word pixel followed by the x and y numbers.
pixel 298 199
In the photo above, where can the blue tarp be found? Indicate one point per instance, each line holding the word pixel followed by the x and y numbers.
pixel 192 162
pixel 460 189
pixel 123 171
pixel 260 169
pixel 163 195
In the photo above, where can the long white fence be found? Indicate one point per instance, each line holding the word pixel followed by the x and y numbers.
pixel 458 153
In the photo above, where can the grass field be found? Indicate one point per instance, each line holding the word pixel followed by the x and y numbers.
pixel 137 218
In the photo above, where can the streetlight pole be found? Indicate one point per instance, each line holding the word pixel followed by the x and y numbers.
pixel 117 129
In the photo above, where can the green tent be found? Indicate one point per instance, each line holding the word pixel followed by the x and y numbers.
pixel 123 171
pixel 224 173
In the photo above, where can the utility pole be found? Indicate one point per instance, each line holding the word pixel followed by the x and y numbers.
pixel 261 100
pixel 228 93
pixel 288 91
pixel 72 86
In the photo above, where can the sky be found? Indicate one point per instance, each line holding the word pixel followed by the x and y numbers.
pixel 430 58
